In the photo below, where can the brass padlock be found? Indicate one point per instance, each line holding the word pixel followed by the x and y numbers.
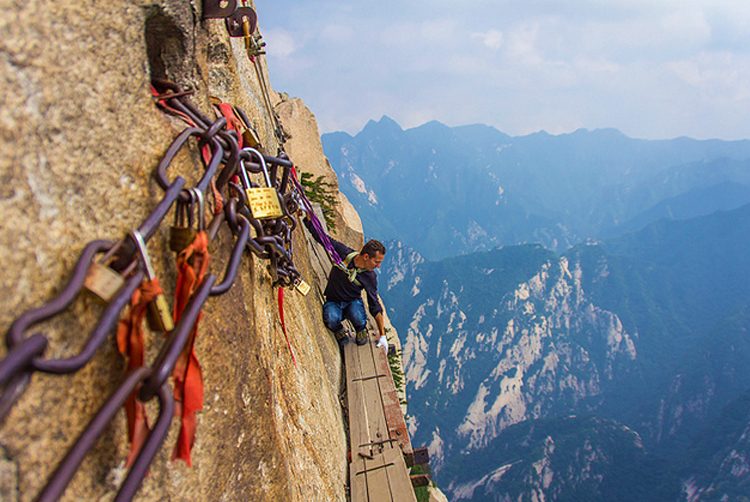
pixel 159 314
pixel 263 201
pixel 302 287
pixel 250 136
pixel 182 233
pixel 101 280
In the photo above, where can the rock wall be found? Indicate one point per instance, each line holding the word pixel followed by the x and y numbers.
pixel 309 156
pixel 80 138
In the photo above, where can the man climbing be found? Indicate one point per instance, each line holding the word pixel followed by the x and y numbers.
pixel 343 293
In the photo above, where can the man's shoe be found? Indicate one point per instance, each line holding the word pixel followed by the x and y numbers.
pixel 361 337
pixel 341 337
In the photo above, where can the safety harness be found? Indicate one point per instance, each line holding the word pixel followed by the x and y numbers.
pixel 351 273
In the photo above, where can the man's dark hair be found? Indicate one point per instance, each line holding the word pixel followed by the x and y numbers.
pixel 372 248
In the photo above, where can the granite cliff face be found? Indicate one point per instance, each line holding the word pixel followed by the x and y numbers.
pixel 80 138
pixel 540 348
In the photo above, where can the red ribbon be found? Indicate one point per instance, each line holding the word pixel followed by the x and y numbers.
pixel 283 324
pixel 192 264
pixel 131 346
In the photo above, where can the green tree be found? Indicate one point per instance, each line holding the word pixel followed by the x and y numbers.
pixel 324 193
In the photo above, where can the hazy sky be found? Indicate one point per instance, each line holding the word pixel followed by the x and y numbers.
pixel 653 69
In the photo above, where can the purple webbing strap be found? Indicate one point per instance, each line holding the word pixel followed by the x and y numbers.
pixel 332 254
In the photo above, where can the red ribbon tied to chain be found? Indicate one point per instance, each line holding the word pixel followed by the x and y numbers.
pixel 131 345
pixel 192 264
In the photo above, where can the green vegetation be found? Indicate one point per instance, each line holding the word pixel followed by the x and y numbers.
pixel 397 372
pixel 324 193
pixel 422 492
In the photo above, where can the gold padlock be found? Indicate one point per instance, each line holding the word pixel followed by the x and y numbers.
pixel 263 201
pixel 159 314
pixel 302 287
pixel 250 136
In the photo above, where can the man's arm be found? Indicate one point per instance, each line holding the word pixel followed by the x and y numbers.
pixel 376 309
pixel 381 323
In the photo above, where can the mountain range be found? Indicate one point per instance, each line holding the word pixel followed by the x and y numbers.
pixel 574 309
pixel 446 191
pixel 615 359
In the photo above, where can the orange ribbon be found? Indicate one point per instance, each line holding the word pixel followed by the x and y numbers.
pixel 131 346
pixel 192 265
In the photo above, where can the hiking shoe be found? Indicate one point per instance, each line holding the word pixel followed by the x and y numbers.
pixel 361 337
pixel 341 337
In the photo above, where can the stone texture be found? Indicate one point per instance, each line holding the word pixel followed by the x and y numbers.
pixel 80 137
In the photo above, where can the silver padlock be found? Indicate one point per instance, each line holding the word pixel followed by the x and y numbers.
pixel 201 199
pixel 263 201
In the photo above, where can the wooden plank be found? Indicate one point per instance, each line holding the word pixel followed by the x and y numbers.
pixel 385 478
pixel 377 425
pixel 358 480
pixel 394 416
pixel 398 476
pixel 378 486
pixel 359 437
pixel 377 469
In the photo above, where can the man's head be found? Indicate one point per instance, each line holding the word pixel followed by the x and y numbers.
pixel 372 254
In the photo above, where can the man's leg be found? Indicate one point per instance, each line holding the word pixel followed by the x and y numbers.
pixel 355 312
pixel 332 316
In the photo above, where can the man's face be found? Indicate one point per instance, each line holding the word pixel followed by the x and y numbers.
pixel 373 262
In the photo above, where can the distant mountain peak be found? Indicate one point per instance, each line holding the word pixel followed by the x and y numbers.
pixel 385 123
pixel 433 124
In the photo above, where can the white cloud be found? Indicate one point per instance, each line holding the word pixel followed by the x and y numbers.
pixel 411 35
pixel 720 75
pixel 280 41
pixel 521 44
pixel 492 39
pixel 650 68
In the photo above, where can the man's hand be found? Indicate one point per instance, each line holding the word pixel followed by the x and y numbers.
pixel 383 342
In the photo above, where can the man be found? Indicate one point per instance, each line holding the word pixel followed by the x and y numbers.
pixel 343 293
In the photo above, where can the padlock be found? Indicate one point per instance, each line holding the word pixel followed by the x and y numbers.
pixel 302 287
pixel 250 136
pixel 182 233
pixel 102 280
pixel 263 201
pixel 200 198
pixel 159 314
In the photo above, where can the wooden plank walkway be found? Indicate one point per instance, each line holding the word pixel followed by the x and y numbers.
pixel 377 431
pixel 378 437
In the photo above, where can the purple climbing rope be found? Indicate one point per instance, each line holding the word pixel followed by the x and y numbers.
pixel 332 254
